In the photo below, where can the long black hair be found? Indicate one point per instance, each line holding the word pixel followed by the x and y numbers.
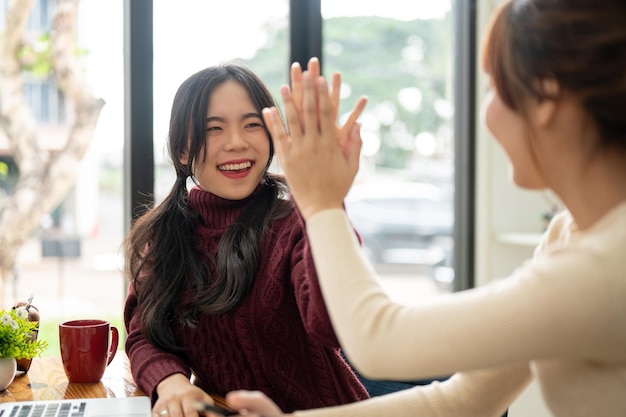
pixel 161 258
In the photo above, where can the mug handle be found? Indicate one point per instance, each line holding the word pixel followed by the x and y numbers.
pixel 114 341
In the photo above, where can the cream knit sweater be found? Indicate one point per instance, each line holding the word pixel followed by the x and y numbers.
pixel 560 318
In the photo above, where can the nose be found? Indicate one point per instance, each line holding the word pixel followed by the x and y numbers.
pixel 236 141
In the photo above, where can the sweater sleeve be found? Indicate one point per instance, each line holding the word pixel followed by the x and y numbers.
pixel 149 365
pixel 512 320
pixel 485 393
pixel 306 287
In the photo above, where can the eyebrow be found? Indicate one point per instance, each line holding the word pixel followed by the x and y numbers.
pixel 244 117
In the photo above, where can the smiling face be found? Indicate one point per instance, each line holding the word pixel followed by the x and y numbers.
pixel 237 144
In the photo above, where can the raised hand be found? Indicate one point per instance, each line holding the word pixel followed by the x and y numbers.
pixel 297 91
pixel 319 168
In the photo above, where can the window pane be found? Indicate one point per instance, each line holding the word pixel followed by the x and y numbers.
pixel 400 56
pixel 70 263
pixel 190 35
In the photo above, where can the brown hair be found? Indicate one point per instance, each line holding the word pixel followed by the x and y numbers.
pixel 581 44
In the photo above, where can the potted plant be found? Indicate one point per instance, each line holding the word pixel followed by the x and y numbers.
pixel 23 364
pixel 16 342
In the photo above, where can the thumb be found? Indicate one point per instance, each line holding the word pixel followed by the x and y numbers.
pixel 352 150
pixel 255 403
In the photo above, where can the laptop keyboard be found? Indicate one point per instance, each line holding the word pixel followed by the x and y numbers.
pixel 66 409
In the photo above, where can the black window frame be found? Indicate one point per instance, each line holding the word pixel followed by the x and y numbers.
pixel 305 42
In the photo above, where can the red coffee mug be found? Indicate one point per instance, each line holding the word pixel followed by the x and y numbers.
pixel 85 348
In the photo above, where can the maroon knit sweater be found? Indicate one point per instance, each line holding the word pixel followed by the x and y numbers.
pixel 279 340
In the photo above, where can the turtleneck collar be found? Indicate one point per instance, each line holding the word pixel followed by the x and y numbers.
pixel 217 212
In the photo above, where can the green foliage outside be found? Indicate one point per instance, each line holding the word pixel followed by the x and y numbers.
pixel 36 56
pixel 381 58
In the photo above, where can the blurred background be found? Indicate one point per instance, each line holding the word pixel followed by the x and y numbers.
pixel 399 55
pixel 431 202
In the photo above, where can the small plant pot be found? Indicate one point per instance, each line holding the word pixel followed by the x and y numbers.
pixel 23 364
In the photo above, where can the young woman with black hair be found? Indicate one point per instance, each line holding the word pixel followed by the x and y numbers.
pixel 222 280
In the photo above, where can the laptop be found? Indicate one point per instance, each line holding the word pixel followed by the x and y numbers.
pixel 83 407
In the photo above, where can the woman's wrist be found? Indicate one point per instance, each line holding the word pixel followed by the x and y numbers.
pixel 310 211
pixel 174 379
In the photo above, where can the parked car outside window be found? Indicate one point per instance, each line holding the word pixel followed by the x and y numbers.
pixel 403 222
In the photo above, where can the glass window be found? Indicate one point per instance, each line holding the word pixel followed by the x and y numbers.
pixel 190 35
pixel 400 55
pixel 70 264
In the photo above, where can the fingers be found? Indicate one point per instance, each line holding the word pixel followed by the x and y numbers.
pixel 351 121
pixel 178 399
pixel 318 170
pixel 275 125
pixel 160 413
pixel 310 98
pixel 291 113
pixel 313 68
pixel 296 83
pixel 356 112
pixel 326 110
pixel 176 409
pixel 314 71
pixel 282 138
pixel 316 116
pixel 335 91
pixel 171 409
pixel 352 149
pixel 255 403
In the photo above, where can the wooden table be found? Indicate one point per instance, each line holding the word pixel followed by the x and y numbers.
pixel 46 380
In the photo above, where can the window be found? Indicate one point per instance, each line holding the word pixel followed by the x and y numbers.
pixel 184 42
pixel 45 100
pixel 70 263
pixel 400 55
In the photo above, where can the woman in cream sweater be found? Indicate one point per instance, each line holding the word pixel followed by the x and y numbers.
pixel 557 72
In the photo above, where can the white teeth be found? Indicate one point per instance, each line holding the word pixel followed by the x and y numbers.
pixel 235 167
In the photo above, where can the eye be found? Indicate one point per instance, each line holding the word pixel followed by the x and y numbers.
pixel 254 124
pixel 213 128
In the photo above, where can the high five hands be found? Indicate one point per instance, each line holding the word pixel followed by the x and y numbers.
pixel 320 158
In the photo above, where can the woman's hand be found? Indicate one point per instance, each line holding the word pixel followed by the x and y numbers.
pixel 297 84
pixel 319 168
pixel 297 91
pixel 253 404
pixel 177 398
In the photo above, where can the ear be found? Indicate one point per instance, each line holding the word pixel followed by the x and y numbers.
pixel 547 107
pixel 184 157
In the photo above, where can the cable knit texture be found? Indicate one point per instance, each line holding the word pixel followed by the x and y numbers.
pixel 279 340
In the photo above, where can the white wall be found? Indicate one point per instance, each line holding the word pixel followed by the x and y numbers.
pixel 508 220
